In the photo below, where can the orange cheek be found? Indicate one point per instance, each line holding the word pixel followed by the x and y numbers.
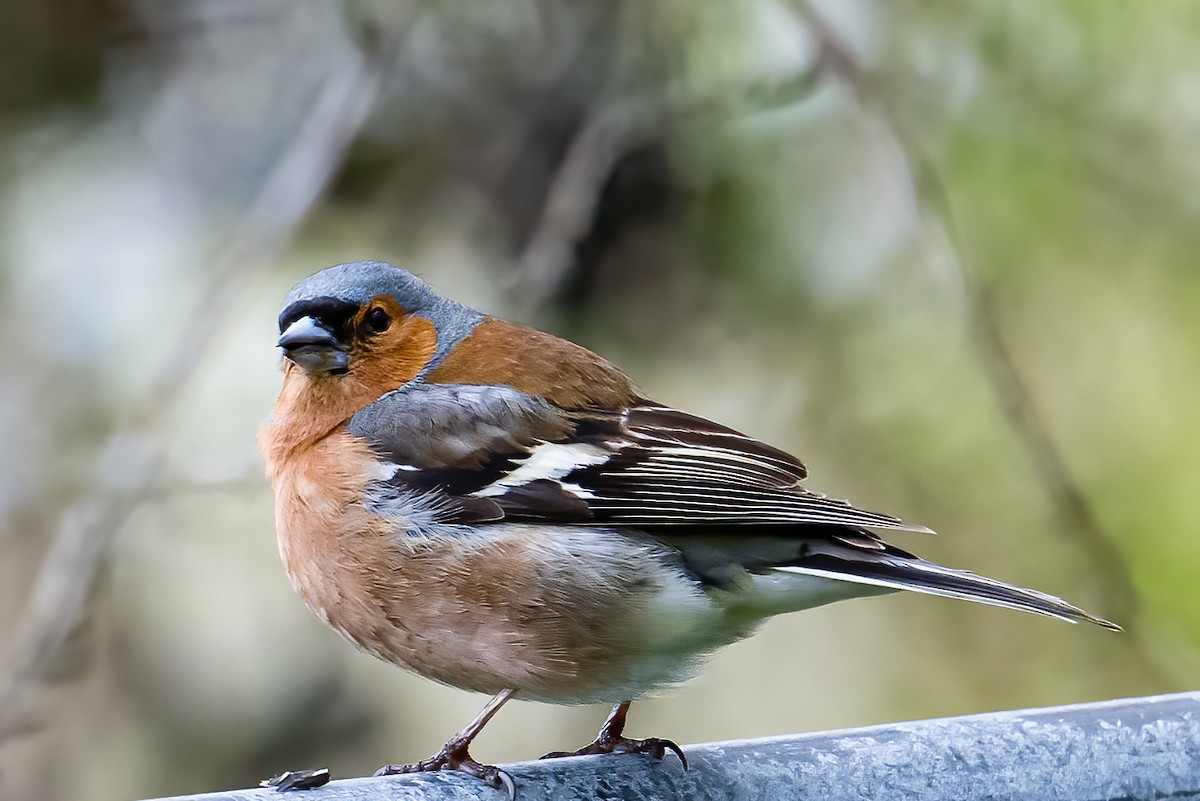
pixel 396 356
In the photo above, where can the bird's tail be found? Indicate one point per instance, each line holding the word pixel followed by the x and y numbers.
pixel 894 569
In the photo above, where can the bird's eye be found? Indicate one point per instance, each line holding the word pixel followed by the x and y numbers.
pixel 378 319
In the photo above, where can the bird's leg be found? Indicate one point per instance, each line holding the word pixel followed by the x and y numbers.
pixel 454 754
pixel 611 740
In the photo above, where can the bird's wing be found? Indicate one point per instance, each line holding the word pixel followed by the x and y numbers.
pixel 500 453
pixel 667 467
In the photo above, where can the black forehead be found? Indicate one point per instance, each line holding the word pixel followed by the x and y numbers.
pixel 333 312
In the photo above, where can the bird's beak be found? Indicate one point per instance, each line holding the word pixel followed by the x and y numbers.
pixel 313 347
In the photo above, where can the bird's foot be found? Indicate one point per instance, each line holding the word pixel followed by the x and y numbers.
pixel 454 756
pixel 656 747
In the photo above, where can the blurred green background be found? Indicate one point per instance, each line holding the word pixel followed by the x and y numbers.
pixel 945 252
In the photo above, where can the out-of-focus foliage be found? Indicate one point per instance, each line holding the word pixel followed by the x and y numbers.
pixel 814 244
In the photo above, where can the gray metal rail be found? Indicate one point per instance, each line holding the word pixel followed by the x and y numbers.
pixel 1139 748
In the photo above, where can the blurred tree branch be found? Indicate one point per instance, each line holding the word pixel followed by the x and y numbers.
pixel 134 456
pixel 607 134
pixel 545 263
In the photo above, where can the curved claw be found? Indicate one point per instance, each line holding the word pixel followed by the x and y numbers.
pixel 504 779
pixel 670 745
pixel 489 774
pixel 559 754
pixel 656 747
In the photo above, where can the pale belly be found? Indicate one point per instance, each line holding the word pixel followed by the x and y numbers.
pixel 560 614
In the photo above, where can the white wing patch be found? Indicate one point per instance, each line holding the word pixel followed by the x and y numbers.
pixel 549 461
pixel 385 470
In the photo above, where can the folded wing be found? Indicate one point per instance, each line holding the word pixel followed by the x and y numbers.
pixel 499 453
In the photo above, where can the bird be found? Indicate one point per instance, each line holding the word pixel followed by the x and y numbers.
pixel 503 511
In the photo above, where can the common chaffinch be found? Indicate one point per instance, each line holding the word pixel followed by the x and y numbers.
pixel 501 510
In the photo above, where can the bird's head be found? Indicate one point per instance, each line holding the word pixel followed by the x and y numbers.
pixel 370 323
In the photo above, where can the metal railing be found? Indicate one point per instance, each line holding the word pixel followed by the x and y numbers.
pixel 1132 749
